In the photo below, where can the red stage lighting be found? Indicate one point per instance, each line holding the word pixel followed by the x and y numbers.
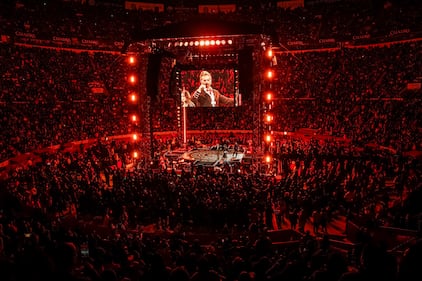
pixel 268 118
pixel 269 96
pixel 270 74
pixel 132 60
pixel 132 79
pixel 133 97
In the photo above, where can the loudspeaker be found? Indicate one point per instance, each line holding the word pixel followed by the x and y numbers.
pixel 152 83
pixel 245 73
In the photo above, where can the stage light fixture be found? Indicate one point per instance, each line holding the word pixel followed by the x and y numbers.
pixel 269 96
pixel 196 43
pixel 133 97
pixel 135 137
pixel 134 118
pixel 229 41
pixel 201 43
pixel 270 74
pixel 212 42
pixel 132 60
pixel 132 79
pixel 217 42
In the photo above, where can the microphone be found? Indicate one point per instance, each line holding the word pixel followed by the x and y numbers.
pixel 202 87
pixel 198 91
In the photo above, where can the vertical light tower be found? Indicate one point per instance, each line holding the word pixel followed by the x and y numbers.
pixel 268 104
pixel 133 99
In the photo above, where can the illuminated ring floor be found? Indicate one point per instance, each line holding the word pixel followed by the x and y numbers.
pixel 212 156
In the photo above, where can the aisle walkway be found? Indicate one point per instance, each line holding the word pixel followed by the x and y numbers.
pixel 335 228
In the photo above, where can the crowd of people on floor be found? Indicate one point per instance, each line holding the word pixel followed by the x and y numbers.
pixel 320 180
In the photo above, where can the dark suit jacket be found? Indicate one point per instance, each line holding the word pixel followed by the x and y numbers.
pixel 203 99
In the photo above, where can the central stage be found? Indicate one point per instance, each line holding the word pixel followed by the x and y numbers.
pixel 212 157
pixel 207 156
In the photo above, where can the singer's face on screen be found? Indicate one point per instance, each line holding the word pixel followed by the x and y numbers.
pixel 206 80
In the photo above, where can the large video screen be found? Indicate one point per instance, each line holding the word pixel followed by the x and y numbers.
pixel 209 88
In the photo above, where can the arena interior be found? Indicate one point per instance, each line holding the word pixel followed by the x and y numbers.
pixel 227 140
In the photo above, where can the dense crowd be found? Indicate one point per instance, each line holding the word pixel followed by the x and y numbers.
pixel 360 93
pixel 48 98
pixel 45 105
pixel 104 183
pixel 312 23
pixel 361 96
pixel 316 175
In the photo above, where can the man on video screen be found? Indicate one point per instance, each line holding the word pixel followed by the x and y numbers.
pixel 206 96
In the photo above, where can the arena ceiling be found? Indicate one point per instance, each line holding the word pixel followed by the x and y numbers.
pixel 198 27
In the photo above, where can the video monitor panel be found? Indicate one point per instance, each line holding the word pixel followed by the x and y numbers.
pixel 209 87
